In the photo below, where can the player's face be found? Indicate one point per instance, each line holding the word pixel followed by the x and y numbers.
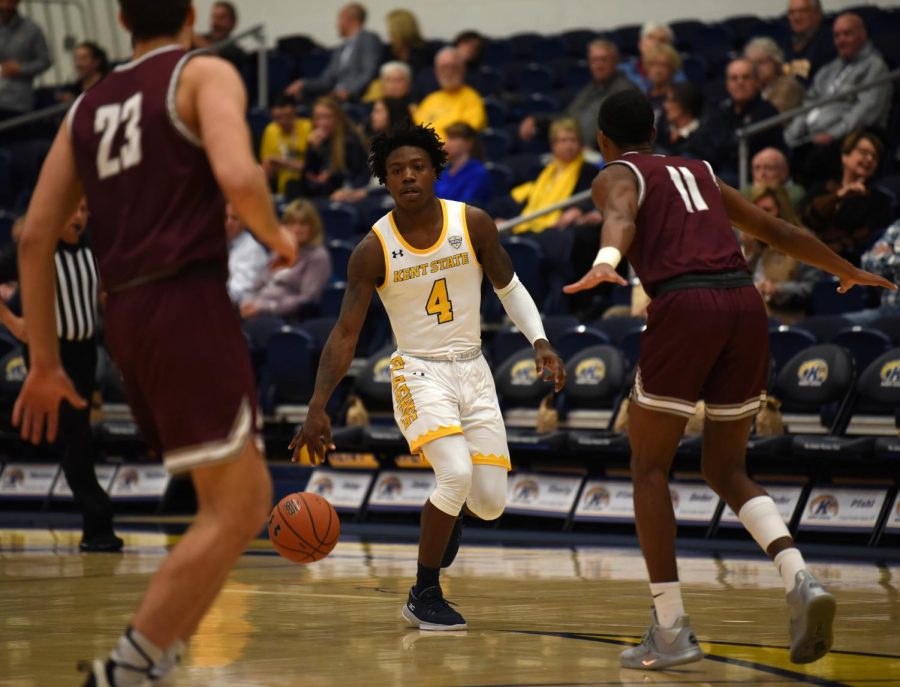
pixel 565 146
pixel 410 177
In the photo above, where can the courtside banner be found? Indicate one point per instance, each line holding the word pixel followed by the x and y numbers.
pixel 786 498
pixel 62 490
pixel 27 480
pixel 893 522
pixel 342 489
pixel 852 510
pixel 694 502
pixel 401 490
pixel 139 482
pixel 544 495
pixel 607 500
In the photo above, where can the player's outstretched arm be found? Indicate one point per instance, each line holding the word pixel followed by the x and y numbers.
pixel 615 193
pixel 796 242
pixel 56 197
pixel 365 271
pixel 212 101
pixel 515 298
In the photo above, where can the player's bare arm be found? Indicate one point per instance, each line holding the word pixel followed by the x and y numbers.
pixel 794 241
pixel 516 301
pixel 364 273
pixel 56 197
pixel 615 193
pixel 212 101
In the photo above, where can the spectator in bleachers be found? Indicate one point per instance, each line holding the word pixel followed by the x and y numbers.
pixel 23 56
pixel 785 284
pixel 336 154
pixel 847 212
pixel 679 131
pixel 809 47
pixel 653 36
pixel 91 65
pixel 284 141
pixel 465 178
pixel 471 46
pixel 394 81
pixel 883 259
pixel 407 44
pixel 780 89
pixel 857 62
pixel 742 107
pixel 455 101
pixel 606 79
pixel 292 294
pixel 247 258
pixel 661 63
pixel 567 173
pixel 770 169
pixel 352 65
pixel 223 19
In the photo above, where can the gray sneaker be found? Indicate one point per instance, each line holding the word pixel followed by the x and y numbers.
pixel 655 652
pixel 812 614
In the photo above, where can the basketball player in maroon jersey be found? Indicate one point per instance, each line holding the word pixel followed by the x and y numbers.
pixel 706 337
pixel 151 146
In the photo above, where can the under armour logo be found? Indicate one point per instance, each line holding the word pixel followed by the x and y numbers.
pixel 397 253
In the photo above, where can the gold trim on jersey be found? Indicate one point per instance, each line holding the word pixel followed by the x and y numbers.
pixel 491 459
pixel 416 444
pixel 384 252
pixel 430 249
pixel 465 226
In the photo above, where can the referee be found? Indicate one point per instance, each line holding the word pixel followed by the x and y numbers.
pixel 77 289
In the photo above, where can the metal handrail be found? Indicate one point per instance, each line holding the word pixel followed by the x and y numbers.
pixel 507 225
pixel 258 31
pixel 744 133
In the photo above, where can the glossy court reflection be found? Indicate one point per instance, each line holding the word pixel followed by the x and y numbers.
pixel 536 617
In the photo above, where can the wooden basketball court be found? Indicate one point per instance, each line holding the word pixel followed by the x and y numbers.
pixel 536 617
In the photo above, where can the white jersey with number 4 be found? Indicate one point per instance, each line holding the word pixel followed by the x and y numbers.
pixel 432 295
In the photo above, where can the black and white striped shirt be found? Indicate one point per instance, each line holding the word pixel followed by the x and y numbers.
pixel 77 288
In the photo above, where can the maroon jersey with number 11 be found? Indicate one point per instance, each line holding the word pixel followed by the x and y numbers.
pixel 682 226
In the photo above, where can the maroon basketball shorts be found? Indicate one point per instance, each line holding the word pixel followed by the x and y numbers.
pixel 186 368
pixel 710 344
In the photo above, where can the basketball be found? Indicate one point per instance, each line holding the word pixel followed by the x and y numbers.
pixel 304 527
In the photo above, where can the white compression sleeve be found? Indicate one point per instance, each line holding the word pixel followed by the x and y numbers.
pixel 520 307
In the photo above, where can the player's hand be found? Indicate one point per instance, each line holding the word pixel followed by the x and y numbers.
pixel 295 89
pixel 597 275
pixel 313 440
pixel 860 277
pixel 285 248
pixel 549 365
pixel 38 403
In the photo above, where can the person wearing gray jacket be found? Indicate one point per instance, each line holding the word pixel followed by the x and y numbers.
pixel 858 62
pixel 23 56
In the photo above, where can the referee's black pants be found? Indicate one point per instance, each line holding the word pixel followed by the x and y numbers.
pixel 75 440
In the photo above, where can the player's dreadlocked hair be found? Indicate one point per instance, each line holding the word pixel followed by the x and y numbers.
pixel 403 134
pixel 626 117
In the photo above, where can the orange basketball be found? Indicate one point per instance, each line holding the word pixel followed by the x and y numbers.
pixel 304 527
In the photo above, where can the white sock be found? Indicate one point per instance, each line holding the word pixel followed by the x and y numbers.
pixel 762 520
pixel 170 659
pixel 667 602
pixel 789 562
pixel 133 658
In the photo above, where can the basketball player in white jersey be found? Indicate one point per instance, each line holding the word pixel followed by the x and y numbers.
pixel 426 260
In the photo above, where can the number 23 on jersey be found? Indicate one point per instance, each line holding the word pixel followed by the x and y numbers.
pixel 439 302
pixel 107 122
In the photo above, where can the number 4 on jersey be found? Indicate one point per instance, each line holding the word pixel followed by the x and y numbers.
pixel 439 302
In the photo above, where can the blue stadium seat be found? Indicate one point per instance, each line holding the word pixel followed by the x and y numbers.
pixel 496 143
pixel 777 30
pixel 825 299
pixel 876 406
pixel 576 41
pixel 523 44
pixel 576 339
pixel 617 327
pixel 575 73
pixel 314 63
pixel 497 111
pixel 6 198
pixel 281 72
pixel 824 327
pixel 340 252
pixel 340 220
pixel 890 325
pixel 498 51
pixel 630 345
pixel 487 80
pixel 289 373
pixel 507 342
pixel 685 31
pixel 694 68
pixel 539 103
pixel 533 78
pixel 527 258
pixel 318 328
pixel 555 325
pixel 501 178
pixel 258 120
pixel 330 303
pixel 547 48
pixel 865 344
pixel 785 342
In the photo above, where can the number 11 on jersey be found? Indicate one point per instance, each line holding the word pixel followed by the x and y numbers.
pixel 439 302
